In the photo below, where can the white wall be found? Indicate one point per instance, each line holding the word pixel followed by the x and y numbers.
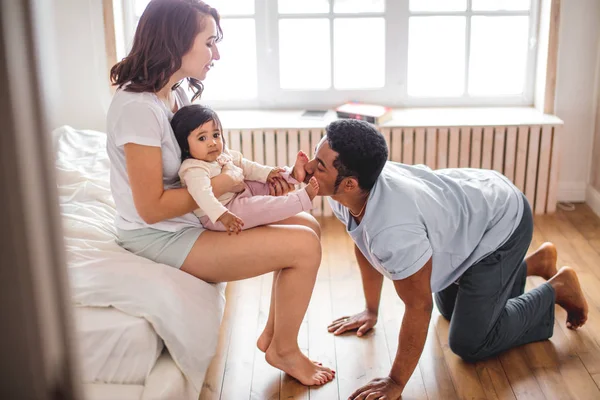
pixel 575 92
pixel 84 94
pixel 593 189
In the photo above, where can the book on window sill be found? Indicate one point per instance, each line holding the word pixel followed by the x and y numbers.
pixel 372 113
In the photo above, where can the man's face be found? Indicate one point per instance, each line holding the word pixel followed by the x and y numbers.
pixel 321 167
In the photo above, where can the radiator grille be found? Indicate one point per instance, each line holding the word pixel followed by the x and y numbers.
pixel 527 155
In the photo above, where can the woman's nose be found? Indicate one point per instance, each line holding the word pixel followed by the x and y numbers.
pixel 216 55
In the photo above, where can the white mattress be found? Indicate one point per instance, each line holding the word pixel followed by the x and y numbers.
pixel 165 382
pixel 184 311
pixel 115 347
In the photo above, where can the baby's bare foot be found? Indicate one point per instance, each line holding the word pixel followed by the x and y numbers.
pixel 300 367
pixel 298 172
pixel 312 189
pixel 570 297
pixel 543 261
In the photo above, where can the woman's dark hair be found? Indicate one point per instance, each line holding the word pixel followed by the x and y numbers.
pixel 166 32
pixel 189 118
pixel 362 151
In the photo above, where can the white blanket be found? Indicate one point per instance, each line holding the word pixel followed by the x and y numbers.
pixel 115 347
pixel 185 312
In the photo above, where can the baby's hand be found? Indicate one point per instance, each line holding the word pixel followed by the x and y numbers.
pixel 275 173
pixel 232 222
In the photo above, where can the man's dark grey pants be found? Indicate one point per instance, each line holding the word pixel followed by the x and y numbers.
pixel 488 309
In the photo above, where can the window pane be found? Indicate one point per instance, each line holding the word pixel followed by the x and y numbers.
pixel 436 56
pixel 495 5
pixel 350 71
pixel 139 6
pixel 234 75
pixel 304 59
pixel 303 7
pixel 225 7
pixel 498 59
pixel 438 5
pixel 358 6
pixel 235 7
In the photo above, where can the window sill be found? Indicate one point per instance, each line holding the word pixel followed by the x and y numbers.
pixel 408 117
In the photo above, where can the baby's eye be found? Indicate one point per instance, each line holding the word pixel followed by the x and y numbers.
pixel 202 138
pixel 217 135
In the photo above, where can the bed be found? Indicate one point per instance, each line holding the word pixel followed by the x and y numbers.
pixel 143 330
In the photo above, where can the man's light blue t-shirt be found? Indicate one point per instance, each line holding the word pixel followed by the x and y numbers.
pixel 456 216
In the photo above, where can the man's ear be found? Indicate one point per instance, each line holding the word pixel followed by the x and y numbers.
pixel 350 184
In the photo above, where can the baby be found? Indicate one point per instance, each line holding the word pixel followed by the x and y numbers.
pixel 204 155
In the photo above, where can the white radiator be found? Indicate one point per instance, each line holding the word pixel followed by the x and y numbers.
pixel 527 155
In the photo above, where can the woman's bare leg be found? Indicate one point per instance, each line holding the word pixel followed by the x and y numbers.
pixel 295 252
pixel 303 219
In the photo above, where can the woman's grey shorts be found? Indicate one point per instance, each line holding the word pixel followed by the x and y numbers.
pixel 164 247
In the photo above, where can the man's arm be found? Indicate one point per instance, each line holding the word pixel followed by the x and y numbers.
pixel 415 292
pixel 372 282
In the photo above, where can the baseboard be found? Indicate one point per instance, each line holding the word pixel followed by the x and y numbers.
pixel 593 199
pixel 574 192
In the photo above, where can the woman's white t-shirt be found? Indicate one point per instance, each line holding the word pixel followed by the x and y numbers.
pixel 142 118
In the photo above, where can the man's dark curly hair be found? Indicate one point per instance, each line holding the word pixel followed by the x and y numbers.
pixel 362 151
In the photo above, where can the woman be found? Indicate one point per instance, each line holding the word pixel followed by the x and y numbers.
pixel 175 40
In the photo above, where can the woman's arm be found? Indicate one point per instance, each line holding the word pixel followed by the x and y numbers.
pixel 225 183
pixel 152 201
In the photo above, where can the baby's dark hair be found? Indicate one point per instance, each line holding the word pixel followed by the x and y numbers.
pixel 189 118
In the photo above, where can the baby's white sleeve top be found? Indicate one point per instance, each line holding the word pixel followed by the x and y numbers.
pixel 196 175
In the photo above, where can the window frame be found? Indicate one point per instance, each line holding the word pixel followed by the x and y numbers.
pixel 394 93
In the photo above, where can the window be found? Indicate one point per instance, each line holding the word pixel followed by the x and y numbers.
pixel 321 53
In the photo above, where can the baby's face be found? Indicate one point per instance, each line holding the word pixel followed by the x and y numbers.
pixel 206 142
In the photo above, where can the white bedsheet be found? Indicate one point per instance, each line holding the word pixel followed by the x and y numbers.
pixel 165 382
pixel 115 347
pixel 184 311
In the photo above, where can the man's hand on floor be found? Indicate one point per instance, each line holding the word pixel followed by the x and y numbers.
pixel 363 322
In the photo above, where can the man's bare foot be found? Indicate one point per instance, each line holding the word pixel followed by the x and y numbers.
pixel 570 297
pixel 297 365
pixel 298 172
pixel 312 188
pixel 543 261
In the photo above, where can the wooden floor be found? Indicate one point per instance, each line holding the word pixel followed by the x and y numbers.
pixel 565 367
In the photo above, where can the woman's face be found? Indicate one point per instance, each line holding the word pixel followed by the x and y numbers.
pixel 197 61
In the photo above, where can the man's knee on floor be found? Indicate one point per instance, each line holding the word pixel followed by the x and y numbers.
pixel 466 348
pixel 446 312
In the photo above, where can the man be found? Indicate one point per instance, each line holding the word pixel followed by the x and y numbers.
pixel 459 233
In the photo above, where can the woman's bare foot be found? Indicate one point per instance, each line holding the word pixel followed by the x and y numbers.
pixel 264 341
pixel 312 188
pixel 298 172
pixel 543 261
pixel 297 365
pixel 570 297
